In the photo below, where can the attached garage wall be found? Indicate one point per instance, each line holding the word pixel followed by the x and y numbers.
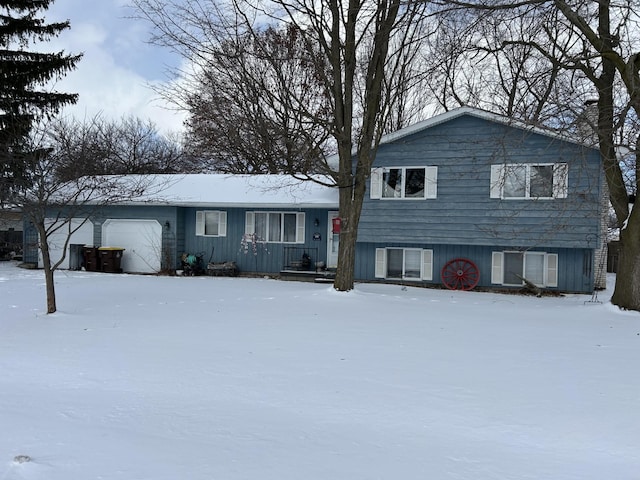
pixel 82 236
pixel 141 239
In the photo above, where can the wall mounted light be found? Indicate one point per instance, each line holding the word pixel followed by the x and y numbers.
pixel 316 222
pixel 167 225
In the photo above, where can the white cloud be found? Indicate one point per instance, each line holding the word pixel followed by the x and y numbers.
pixel 117 70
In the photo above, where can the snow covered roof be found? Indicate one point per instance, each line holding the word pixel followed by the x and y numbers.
pixel 222 190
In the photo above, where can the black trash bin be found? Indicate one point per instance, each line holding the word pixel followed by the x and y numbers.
pixel 110 259
pixel 91 259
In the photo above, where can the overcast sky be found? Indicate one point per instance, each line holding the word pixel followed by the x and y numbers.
pixel 118 66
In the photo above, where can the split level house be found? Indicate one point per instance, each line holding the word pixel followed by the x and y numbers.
pixel 465 199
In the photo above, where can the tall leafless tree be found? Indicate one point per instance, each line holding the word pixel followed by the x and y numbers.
pixel 242 116
pixel 473 60
pixel 356 48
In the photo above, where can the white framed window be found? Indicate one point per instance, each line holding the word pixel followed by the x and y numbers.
pixel 408 183
pixel 404 264
pixel 211 223
pixel 511 268
pixel 275 227
pixel 529 181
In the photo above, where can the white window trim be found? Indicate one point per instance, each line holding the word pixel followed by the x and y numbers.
pixel 497 267
pixel 249 226
pixel 430 183
pixel 559 187
pixel 426 264
pixel 527 257
pixel 200 223
pixel 550 268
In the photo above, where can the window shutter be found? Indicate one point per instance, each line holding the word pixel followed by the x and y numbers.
pixel 199 223
pixel 222 224
pixel 560 180
pixel 496 268
pixel 299 227
pixel 427 264
pixel 497 179
pixel 381 262
pixel 431 182
pixel 552 269
pixel 375 185
pixel 249 223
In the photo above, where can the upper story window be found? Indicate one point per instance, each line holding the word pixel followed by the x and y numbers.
pixel 410 183
pixel 211 223
pixel 275 227
pixel 529 180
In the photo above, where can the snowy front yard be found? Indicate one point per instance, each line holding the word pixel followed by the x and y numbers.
pixel 167 378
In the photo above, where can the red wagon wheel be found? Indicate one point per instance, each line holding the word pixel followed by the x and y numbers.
pixel 460 274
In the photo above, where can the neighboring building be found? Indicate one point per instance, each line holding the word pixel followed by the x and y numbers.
pixel 11 240
pixel 466 199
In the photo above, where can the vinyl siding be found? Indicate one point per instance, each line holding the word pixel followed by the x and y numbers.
pixel 572 267
pixel 178 236
pixel 463 213
pixel 268 257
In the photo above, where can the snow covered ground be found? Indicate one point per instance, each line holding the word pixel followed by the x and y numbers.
pixel 168 378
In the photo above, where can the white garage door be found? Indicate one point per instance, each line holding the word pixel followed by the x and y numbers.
pixel 141 239
pixel 83 235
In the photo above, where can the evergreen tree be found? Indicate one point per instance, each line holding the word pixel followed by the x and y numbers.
pixel 23 76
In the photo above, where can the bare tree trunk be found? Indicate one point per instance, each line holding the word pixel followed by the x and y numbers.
pixel 346 257
pixel 48 271
pixel 51 289
pixel 351 200
pixel 627 291
pixel 627 288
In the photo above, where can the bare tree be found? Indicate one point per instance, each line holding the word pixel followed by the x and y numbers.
pixel 57 205
pixel 242 116
pixel 473 60
pixel 115 147
pixel 351 53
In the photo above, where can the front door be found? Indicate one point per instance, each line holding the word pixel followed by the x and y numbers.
pixel 333 241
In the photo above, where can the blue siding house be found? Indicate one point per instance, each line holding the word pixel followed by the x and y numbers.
pixel 466 199
pixel 469 199
pixel 263 223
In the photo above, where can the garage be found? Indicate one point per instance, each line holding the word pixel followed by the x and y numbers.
pixel 82 235
pixel 141 239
